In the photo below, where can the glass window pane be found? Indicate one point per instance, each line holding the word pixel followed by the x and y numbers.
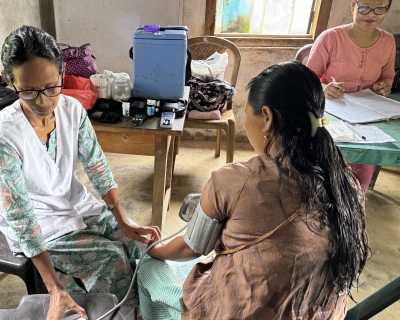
pixel 301 17
pixel 230 17
pixel 273 17
pixel 277 17
pixel 257 16
pixel 218 16
pixel 245 15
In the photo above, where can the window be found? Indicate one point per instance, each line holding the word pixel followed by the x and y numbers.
pixel 267 22
pixel 273 17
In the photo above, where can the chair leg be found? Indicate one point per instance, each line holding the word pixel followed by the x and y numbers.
pixel 40 286
pixel 30 284
pixel 33 281
pixel 218 143
pixel 230 141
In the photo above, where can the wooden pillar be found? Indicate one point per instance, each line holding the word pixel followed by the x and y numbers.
pixel 211 11
pixel 47 17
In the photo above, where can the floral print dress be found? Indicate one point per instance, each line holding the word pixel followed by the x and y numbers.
pixel 99 255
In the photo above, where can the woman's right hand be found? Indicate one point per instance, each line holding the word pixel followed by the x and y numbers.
pixel 334 90
pixel 60 300
pixel 60 303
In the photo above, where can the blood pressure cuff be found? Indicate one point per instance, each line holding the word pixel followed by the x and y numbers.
pixel 202 232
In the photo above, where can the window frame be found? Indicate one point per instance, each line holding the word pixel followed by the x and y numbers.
pixel 320 15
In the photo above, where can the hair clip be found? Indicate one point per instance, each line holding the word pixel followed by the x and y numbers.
pixel 317 122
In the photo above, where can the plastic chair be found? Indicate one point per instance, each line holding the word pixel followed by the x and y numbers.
pixel 201 48
pixel 303 52
pixel 95 305
pixel 376 302
pixel 20 266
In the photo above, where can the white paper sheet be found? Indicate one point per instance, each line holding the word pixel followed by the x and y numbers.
pixel 363 107
pixel 345 132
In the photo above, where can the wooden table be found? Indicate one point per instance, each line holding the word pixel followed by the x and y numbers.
pixel 151 140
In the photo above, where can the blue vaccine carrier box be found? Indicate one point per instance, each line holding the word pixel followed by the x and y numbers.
pixel 159 64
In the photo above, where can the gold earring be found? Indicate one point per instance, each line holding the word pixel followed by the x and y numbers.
pixel 266 137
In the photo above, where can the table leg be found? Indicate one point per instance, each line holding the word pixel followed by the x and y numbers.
pixel 374 177
pixel 177 142
pixel 170 162
pixel 161 181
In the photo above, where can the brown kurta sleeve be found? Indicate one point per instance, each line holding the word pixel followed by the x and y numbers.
pixel 225 186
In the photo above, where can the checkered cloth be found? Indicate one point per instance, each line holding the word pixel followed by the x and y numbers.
pixel 160 287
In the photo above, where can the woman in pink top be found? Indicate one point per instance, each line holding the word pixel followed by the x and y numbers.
pixel 356 56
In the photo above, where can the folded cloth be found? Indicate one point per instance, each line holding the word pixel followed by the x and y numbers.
pixel 206 115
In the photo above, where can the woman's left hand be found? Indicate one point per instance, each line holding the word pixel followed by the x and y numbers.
pixel 137 232
pixel 383 88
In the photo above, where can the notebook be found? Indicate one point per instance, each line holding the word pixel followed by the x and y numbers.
pixel 363 107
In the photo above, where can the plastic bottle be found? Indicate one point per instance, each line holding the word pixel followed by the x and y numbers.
pixel 125 109
pixel 151 107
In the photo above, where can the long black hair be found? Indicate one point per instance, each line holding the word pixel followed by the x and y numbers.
pixel 26 43
pixel 328 185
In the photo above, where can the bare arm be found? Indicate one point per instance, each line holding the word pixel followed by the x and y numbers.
pixel 60 300
pixel 177 249
pixel 319 61
pixel 99 173
pixel 130 230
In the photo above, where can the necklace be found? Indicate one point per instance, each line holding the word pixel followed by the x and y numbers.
pixel 365 41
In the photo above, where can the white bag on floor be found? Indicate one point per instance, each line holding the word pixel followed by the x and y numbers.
pixel 213 66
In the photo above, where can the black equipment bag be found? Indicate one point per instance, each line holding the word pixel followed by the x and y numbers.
pixel 7 96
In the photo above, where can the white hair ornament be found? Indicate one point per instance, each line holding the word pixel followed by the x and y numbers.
pixel 317 123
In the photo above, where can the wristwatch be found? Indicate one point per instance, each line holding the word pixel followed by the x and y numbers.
pixel 110 207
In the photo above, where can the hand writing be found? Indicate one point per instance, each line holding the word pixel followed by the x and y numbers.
pixel 334 90
pixel 383 88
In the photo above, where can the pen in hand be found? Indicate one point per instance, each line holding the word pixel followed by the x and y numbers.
pixel 334 80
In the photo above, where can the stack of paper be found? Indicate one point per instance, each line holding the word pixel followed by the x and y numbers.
pixel 362 107
pixel 345 132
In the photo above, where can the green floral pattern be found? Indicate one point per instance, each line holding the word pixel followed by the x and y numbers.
pixel 15 205
pixel 101 256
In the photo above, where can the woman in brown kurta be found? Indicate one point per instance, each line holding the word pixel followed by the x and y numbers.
pixel 305 269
